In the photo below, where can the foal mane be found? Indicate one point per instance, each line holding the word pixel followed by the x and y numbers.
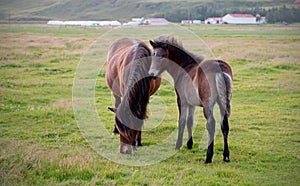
pixel 137 95
pixel 171 41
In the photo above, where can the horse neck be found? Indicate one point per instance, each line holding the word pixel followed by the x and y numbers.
pixel 136 97
pixel 184 63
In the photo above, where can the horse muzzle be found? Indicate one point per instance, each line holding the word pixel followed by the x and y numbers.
pixel 126 149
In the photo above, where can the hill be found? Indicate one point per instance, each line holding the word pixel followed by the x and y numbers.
pixel 123 10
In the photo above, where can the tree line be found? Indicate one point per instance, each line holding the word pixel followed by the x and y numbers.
pixel 273 15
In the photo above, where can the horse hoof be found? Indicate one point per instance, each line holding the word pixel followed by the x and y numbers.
pixel 139 145
pixel 115 133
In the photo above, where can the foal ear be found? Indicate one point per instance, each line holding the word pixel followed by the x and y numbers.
pixel 112 109
pixel 152 43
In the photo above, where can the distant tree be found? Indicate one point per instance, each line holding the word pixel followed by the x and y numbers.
pixel 283 14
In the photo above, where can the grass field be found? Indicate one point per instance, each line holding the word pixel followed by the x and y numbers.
pixel 40 139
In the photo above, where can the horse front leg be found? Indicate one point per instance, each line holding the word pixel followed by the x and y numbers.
pixel 139 139
pixel 181 125
pixel 117 103
pixel 210 126
pixel 190 124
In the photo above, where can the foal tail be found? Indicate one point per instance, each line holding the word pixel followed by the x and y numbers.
pixel 224 88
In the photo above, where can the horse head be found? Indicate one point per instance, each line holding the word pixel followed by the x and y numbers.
pixel 129 127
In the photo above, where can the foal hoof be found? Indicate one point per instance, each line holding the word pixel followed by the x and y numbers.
pixel 190 143
pixel 207 161
pixel 226 159
pixel 178 146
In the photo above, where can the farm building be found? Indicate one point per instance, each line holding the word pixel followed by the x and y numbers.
pixel 135 22
pixel 190 22
pixel 214 20
pixel 156 21
pixel 239 19
pixel 186 22
pixel 132 23
pixel 84 23
pixel 197 22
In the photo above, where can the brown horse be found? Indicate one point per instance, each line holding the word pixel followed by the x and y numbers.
pixel 128 63
pixel 197 83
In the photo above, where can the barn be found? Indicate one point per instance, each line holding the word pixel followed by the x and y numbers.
pixel 239 19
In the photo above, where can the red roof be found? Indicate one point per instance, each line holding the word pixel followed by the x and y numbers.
pixel 297 2
pixel 241 15
pixel 215 18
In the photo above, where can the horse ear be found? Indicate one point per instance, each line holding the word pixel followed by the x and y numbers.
pixel 152 43
pixel 112 109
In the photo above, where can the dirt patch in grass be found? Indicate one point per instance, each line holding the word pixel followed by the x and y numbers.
pixel 25 48
pixel 62 103
pixel 256 50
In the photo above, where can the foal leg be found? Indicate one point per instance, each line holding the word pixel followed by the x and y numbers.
pixel 225 130
pixel 181 125
pixel 117 103
pixel 190 124
pixel 210 126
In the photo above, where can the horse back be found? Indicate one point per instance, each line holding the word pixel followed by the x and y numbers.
pixel 121 54
pixel 117 60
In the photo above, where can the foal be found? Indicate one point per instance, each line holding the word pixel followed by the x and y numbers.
pixel 197 83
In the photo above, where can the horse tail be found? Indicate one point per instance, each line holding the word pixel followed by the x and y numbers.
pixel 224 88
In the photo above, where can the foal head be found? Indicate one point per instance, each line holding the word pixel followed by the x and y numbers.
pixel 159 58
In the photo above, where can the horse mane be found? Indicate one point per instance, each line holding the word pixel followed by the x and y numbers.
pixel 137 95
pixel 171 41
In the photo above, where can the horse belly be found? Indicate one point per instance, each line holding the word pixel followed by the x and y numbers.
pixel 192 95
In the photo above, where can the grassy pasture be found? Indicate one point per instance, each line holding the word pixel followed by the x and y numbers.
pixel 40 142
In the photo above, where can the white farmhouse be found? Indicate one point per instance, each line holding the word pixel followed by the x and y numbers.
pixel 239 19
pixel 214 20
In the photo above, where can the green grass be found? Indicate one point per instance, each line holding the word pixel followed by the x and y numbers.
pixel 41 144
